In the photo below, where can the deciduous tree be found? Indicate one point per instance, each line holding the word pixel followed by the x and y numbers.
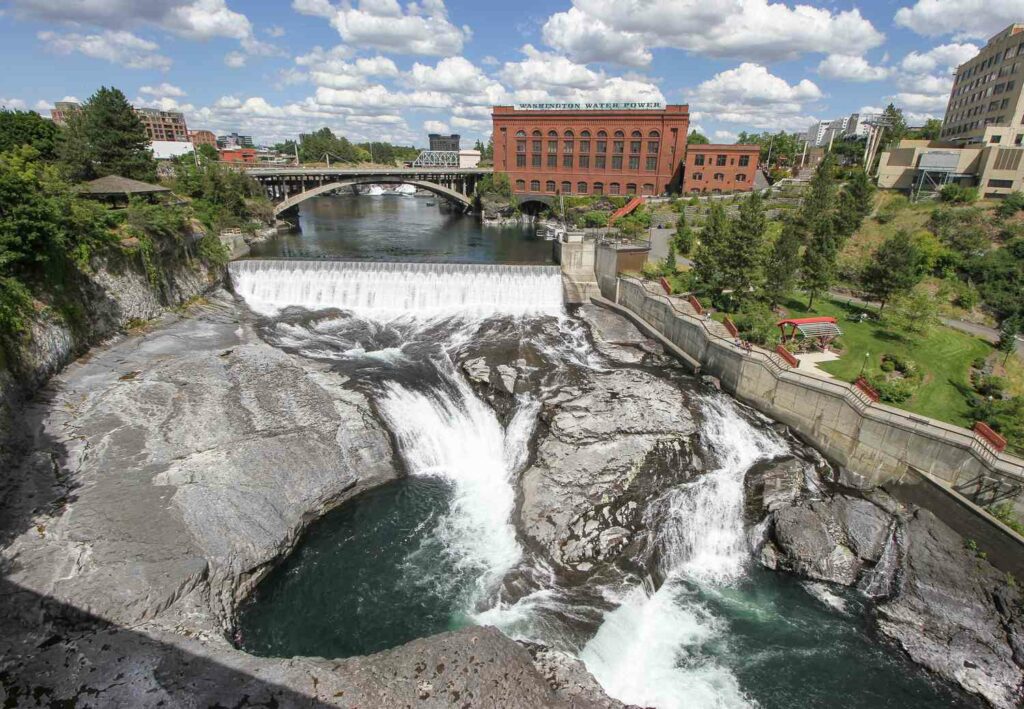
pixel 896 268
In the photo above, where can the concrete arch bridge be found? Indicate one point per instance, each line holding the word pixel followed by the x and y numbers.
pixel 289 187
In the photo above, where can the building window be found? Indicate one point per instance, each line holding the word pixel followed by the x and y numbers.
pixel 521 185
pixel 598 188
pixel 995 138
pixel 652 163
pixel 534 185
pixel 552 133
pixel 549 186
pixel 569 134
pixel 719 177
pixel 648 188
pixel 618 146
pixel 552 146
pixel 652 147
pixel 520 133
pixel 654 134
pixel 567 161
pixel 634 162
pixel 613 188
pixel 744 160
pixel 584 161
pixel 520 161
pixel 720 160
pixel 600 162
pixel 584 133
pixel 538 146
pixel 1004 184
pixel 584 146
pixel 566 187
pixel 631 188
pixel 535 160
pixel 698 159
pixel 567 147
pixel 741 177
pixel 602 146
pixel 520 146
pixel 581 188
pixel 697 176
pixel 616 162
pixel 552 161
pixel 1019 139
pixel 619 134
pixel 634 147
pixel 601 134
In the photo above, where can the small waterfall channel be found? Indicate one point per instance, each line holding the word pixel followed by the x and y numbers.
pixel 440 549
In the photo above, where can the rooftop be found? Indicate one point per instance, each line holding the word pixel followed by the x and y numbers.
pixel 117 185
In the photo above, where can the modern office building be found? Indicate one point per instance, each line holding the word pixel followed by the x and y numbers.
pixel 235 140
pixel 444 142
pixel 715 169
pixel 583 148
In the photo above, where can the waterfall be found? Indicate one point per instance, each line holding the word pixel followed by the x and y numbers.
pixel 449 432
pixel 650 650
pixel 388 289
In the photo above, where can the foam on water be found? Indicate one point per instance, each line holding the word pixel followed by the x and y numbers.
pixel 385 289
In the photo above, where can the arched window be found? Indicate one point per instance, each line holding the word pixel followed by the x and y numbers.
pixel 602 134
pixel 552 133
pixel 719 177
pixel 520 133
pixel 619 134
pixel 581 188
pixel 536 133
pixel 648 188
pixel 613 188
pixel 631 188
pixel 598 188
pixel 568 133
pixel 654 134
pixel 637 134
pixel 534 185
pixel 566 187
pixel 521 185
pixel 584 133
pixel 741 177
pixel 549 186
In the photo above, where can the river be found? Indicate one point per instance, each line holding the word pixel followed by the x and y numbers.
pixel 697 623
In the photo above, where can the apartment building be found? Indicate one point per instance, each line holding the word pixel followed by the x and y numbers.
pixel 163 125
pixel 985 104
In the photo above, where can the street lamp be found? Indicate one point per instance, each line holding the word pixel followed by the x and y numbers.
pixel 867 356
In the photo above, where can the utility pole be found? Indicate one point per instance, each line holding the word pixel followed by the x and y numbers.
pixel 768 160
pixel 296 145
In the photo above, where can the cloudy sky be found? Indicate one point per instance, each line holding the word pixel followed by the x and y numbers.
pixel 391 70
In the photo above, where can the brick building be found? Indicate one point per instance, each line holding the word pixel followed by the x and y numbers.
pixel 245 156
pixel 712 168
pixel 63 110
pixel 578 149
pixel 163 125
pixel 202 137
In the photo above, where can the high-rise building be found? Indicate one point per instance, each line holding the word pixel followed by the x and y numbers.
pixel 444 142
pixel 62 110
pixel 163 125
pixel 985 104
pixel 234 140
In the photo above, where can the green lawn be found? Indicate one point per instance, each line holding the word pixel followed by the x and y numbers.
pixel 944 357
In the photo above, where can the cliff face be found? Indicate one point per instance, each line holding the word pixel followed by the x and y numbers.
pixel 117 292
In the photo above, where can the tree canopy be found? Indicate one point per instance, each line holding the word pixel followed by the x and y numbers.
pixel 695 138
pixel 106 137
pixel 19 128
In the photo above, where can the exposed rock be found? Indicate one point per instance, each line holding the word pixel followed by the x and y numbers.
pixel 806 544
pixel 569 679
pixel 477 370
pixel 607 447
pixel 618 339
pixel 865 525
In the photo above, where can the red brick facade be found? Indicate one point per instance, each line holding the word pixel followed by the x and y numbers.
pixel 591 152
pixel 715 168
pixel 238 155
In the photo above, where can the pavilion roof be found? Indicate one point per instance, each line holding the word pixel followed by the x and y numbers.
pixel 117 185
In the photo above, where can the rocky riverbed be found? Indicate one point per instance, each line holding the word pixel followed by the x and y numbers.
pixel 172 468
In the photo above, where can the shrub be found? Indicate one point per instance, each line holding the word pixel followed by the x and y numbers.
pixel 212 251
pixel 989 385
pixel 894 391
pixel 958 194
pixel 756 323
pixel 1004 512
pixel 595 218
pixel 1013 203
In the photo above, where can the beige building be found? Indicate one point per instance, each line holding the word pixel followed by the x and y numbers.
pixel 985 103
pixel 923 166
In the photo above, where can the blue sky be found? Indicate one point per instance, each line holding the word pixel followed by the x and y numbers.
pixel 390 70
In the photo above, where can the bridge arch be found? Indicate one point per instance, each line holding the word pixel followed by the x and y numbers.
pixel 300 197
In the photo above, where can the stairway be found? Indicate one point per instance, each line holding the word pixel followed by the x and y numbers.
pixel 623 211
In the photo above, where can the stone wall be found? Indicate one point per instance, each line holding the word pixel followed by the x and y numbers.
pixel 878 444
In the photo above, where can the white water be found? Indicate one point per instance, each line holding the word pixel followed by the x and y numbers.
pixel 386 289
pixel 450 433
pixel 648 651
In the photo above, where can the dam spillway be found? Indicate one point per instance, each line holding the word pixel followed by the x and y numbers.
pixel 391 288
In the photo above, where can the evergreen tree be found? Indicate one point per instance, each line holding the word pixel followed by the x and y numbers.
pixel 862 192
pixel 744 248
pixel 115 139
pixel 783 263
pixel 670 260
pixel 896 124
pixel 711 254
pixel 847 215
pixel 818 267
pixel 820 195
pixel 695 138
pixel 1008 331
pixel 684 238
pixel 896 268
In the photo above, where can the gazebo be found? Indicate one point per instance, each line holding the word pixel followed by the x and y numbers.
pixel 117 190
pixel 822 329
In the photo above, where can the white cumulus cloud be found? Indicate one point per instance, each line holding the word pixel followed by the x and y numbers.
pixel 751 96
pixel 115 46
pixel 967 19
pixel 851 68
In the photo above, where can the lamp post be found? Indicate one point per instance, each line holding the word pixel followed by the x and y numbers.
pixel 863 366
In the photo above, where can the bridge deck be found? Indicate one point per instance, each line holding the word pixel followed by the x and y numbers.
pixel 365 172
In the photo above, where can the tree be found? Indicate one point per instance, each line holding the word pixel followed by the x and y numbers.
pixel 670 260
pixel 1008 331
pixel 783 262
pixel 819 197
pixel 744 247
pixel 818 268
pixel 896 124
pixel 776 148
pixel 695 138
pixel 916 312
pixel 207 152
pixel 931 130
pixel 684 239
pixel 896 268
pixel 862 191
pixel 106 137
pixel 28 128
pixel 711 254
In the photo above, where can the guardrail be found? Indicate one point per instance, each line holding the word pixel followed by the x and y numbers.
pixel 983 446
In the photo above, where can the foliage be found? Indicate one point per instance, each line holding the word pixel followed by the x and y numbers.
pixel 19 128
pixel 207 152
pixel 1005 416
pixel 963 231
pixel 1008 332
pixel 1005 513
pixel 781 147
pixel 388 154
pixel 818 267
pixel 1013 203
pixel 106 137
pixel 744 248
pixel 958 194
pixel 496 184
pixel 709 262
pixel 914 312
pixel 896 124
pixel 595 218
pixel 695 138
pixel 783 262
pixel 315 146
pixel 212 251
pixel 931 130
pixel 897 266
pixel 684 240
pixel 670 260
pixel 756 323
pixel 222 198
pixel 999 277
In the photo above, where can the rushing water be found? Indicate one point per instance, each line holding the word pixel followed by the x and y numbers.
pixel 437 549
pixel 396 228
